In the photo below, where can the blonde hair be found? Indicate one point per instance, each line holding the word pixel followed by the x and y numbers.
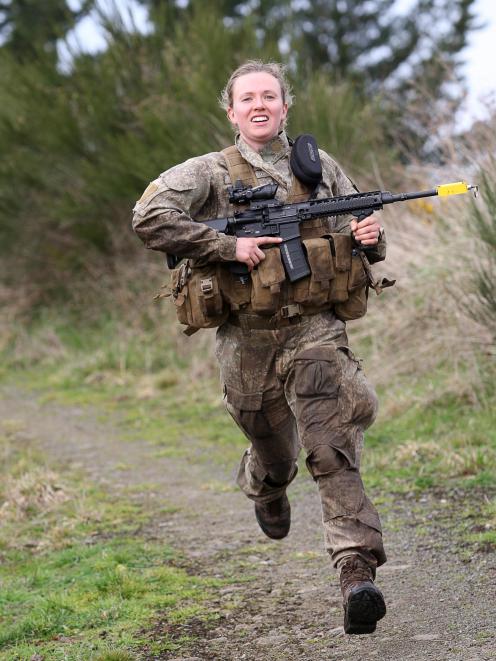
pixel 257 66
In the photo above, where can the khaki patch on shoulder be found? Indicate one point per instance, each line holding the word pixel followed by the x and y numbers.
pixel 150 190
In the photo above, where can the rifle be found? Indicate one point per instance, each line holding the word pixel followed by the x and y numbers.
pixel 265 216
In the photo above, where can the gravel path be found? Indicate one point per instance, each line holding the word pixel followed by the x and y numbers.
pixel 440 598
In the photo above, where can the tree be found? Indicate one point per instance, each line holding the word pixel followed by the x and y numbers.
pixel 29 28
pixel 409 58
pixel 372 40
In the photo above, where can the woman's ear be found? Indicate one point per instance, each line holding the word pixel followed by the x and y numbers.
pixel 231 115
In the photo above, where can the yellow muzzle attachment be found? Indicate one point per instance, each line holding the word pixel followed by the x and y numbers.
pixel 455 188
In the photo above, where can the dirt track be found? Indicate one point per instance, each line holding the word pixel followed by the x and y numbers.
pixel 440 602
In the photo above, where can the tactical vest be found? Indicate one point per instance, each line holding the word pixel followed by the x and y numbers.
pixel 207 296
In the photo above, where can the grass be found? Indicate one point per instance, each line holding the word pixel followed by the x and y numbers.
pixel 446 441
pixel 78 580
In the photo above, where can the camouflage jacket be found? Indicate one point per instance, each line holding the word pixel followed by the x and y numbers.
pixel 164 218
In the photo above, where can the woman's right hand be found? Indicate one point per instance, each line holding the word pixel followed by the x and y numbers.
pixel 248 251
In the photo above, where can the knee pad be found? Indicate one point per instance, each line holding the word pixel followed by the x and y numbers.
pixel 326 460
pixel 280 474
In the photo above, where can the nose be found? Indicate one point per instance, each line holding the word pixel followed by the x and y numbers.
pixel 259 102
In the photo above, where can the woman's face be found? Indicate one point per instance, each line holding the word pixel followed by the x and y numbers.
pixel 257 108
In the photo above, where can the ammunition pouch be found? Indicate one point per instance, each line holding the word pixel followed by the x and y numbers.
pixel 196 293
pixel 314 289
pixel 339 277
pixel 355 306
pixel 266 282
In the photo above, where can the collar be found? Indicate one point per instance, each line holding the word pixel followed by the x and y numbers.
pixel 270 153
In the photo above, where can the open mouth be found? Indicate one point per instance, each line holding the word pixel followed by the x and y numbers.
pixel 260 119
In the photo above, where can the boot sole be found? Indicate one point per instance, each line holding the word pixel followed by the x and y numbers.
pixel 364 608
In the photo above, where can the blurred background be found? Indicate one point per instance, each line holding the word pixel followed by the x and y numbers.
pixel 98 98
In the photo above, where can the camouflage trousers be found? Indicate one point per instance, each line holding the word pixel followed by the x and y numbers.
pixel 301 386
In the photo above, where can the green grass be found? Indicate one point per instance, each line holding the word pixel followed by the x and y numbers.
pixel 103 591
pixel 77 578
pixel 445 442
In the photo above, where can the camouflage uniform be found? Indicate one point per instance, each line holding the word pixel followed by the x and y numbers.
pixel 286 386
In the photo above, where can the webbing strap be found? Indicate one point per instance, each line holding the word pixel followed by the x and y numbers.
pixel 298 191
pixel 238 167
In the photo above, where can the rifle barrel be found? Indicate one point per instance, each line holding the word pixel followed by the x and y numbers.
pixel 455 188
pixel 389 198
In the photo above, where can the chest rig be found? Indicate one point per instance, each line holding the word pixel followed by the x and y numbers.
pixel 240 170
pixel 207 296
pixel 336 277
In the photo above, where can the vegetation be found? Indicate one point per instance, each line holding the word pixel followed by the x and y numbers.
pixel 78 579
pixel 346 38
pixel 485 264
pixel 31 28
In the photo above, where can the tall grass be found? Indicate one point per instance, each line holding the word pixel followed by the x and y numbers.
pixel 435 329
pixel 484 264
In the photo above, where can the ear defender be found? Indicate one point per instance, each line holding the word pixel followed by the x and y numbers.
pixel 305 161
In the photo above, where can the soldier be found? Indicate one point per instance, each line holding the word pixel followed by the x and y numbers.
pixel 289 376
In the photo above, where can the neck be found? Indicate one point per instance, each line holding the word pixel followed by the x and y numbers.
pixel 258 145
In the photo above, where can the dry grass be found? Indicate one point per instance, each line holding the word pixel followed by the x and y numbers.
pixel 36 492
pixel 426 321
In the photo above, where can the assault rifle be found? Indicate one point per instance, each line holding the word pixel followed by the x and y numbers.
pixel 265 216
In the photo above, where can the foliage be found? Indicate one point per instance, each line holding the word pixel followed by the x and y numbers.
pixel 30 28
pixel 337 113
pixel 484 223
pixel 411 56
pixel 82 146
pixel 78 147
pixel 377 41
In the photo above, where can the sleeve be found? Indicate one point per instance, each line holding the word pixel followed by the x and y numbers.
pixel 163 217
pixel 341 184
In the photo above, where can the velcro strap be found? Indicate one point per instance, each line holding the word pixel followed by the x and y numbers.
pixel 382 283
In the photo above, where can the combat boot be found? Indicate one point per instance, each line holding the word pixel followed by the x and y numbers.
pixel 274 518
pixel 363 602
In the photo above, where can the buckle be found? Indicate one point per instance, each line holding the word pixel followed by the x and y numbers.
pixel 206 286
pixel 290 311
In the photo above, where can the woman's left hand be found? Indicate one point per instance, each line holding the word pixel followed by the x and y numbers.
pixel 366 231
